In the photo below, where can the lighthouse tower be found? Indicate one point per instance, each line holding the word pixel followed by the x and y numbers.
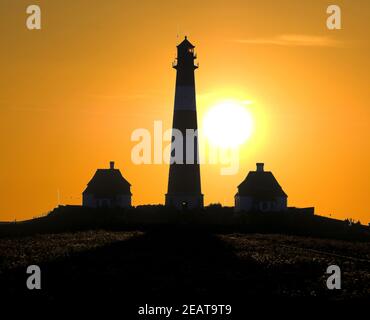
pixel 184 189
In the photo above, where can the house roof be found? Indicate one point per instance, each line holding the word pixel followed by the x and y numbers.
pixel 107 183
pixel 261 185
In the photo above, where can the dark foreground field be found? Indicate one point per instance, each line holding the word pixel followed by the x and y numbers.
pixel 181 266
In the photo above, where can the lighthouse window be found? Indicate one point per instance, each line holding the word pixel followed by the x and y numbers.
pixel 191 50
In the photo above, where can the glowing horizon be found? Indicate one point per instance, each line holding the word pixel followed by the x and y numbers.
pixel 74 91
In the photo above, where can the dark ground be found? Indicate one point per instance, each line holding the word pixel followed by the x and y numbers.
pixel 151 255
pixel 181 265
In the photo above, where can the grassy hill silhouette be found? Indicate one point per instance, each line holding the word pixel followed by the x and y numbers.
pixel 155 255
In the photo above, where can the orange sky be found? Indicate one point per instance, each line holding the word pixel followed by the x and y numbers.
pixel 72 93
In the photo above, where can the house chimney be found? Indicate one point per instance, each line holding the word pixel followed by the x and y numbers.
pixel 260 167
pixel 111 165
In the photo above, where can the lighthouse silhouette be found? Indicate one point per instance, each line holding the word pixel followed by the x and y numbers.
pixel 184 187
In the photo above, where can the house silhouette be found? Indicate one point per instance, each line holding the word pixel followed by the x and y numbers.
pixel 260 191
pixel 107 188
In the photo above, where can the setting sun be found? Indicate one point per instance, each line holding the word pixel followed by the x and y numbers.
pixel 228 124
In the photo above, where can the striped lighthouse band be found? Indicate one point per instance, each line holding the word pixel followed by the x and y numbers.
pixel 185 98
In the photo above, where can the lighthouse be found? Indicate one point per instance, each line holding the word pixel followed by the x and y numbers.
pixel 184 187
